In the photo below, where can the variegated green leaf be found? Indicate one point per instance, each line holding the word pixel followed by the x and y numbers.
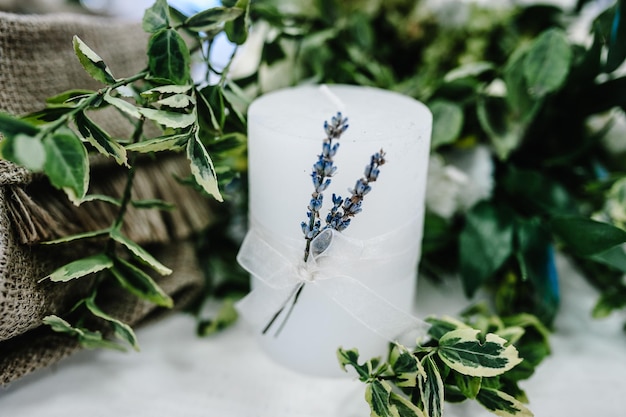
pixel 156 92
pixel 102 197
pixel 463 351
pixel 469 385
pixel 211 19
pixel 502 404
pixel 378 396
pixel 162 143
pixel 406 367
pixel 11 126
pixel 68 96
pixel 121 329
pixel 405 407
pixel 237 29
pixel 177 101
pixel 169 57
pixel 439 326
pixel 156 17
pixel 80 268
pixel 87 338
pixel 431 388
pixel 123 106
pixel 351 357
pixel 86 235
pixel 100 139
pixel 137 282
pixel 140 253
pixel 27 151
pixel 92 63
pixel 67 164
pixel 168 118
pixel 202 167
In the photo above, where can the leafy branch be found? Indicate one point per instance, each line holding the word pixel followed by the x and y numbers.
pixel 481 359
pixel 58 140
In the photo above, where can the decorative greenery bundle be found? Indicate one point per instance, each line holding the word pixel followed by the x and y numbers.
pixel 511 82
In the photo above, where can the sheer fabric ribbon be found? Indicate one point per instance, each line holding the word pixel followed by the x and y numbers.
pixel 336 265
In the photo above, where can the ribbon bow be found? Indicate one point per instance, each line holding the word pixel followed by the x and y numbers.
pixel 334 265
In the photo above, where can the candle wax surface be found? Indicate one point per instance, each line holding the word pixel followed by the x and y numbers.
pixel 286 131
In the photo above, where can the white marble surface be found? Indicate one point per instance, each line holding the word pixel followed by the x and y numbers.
pixel 178 374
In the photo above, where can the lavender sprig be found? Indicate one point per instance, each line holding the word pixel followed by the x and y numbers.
pixel 342 211
pixel 323 170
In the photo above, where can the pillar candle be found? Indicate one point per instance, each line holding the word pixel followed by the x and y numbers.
pixel 286 130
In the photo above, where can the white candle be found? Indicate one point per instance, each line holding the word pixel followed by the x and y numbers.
pixel 285 137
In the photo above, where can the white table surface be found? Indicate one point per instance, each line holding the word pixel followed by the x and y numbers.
pixel 179 374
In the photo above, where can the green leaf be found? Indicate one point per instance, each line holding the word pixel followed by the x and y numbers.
pixel 405 407
pixel 439 326
pixel 69 96
pixel 49 114
pixel 378 396
pixel 100 139
pixel 502 404
pixel 11 126
pixel 140 253
pixel 87 338
pixel 168 57
pixel 547 63
pixel 86 235
pixel 463 351
pixel 614 257
pixel 237 29
pixel 469 70
pixel 27 151
pixel 67 164
pixel 212 19
pixel 226 316
pixel 139 283
pixel 617 45
pixel 504 130
pixel 351 357
pixel 92 63
pixel 447 122
pixel 486 242
pixel 80 268
pixel 212 103
pixel 168 118
pixel 202 167
pixel 586 237
pixel 535 254
pixel 177 101
pixel 161 90
pixel 105 198
pixel 468 385
pixel 123 105
pixel 121 329
pixel 406 367
pixel 161 143
pixel 431 388
pixel 156 17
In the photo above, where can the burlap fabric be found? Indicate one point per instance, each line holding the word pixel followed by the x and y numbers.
pixel 37 61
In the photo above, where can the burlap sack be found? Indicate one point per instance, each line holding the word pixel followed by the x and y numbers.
pixel 37 61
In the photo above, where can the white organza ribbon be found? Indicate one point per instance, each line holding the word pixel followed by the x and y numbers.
pixel 334 266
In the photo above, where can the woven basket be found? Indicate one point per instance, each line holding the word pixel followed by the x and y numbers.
pixel 37 61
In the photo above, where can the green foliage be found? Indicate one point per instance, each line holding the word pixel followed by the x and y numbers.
pixel 462 360
pixel 59 139
pixel 513 80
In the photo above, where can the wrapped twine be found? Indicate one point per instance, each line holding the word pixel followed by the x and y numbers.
pixel 37 61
